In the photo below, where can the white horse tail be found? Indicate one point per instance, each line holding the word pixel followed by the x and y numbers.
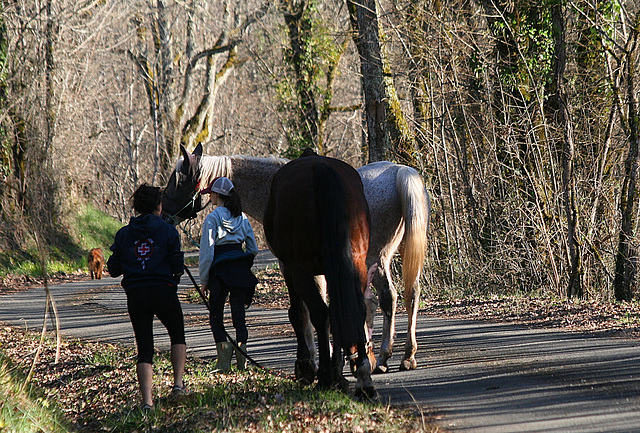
pixel 416 208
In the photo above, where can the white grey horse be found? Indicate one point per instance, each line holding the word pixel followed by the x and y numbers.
pixel 400 211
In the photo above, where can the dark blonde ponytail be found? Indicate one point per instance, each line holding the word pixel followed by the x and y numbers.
pixel 233 203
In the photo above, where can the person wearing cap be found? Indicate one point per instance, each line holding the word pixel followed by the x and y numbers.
pixel 147 253
pixel 225 268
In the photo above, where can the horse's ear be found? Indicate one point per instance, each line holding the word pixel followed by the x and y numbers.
pixel 184 152
pixel 186 160
pixel 198 150
pixel 308 152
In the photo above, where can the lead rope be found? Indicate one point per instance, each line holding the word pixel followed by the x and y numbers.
pixel 233 342
pixel 206 301
pixel 173 219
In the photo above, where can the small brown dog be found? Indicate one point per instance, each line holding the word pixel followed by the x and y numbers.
pixel 96 263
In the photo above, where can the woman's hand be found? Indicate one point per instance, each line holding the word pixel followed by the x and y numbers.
pixel 204 291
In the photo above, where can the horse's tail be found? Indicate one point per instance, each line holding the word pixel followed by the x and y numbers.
pixel 346 305
pixel 416 208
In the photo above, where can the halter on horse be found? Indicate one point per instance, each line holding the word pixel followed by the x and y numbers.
pixel 183 183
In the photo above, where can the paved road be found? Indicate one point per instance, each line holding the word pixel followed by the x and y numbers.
pixel 480 377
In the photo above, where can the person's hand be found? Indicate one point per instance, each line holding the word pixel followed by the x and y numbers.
pixel 177 277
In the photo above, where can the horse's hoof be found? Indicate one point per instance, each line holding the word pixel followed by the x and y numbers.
pixel 305 371
pixel 381 368
pixel 367 393
pixel 342 385
pixel 408 364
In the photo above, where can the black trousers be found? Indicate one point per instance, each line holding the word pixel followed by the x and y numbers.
pixel 143 304
pixel 218 297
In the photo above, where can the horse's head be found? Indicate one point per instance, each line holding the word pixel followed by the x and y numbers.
pixel 181 198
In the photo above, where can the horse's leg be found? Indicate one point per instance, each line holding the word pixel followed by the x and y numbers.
pixel 361 367
pixel 387 296
pixel 370 302
pixel 364 384
pixel 337 363
pixel 309 337
pixel 411 301
pixel 305 366
pixel 319 315
pixel 312 290
pixel 371 305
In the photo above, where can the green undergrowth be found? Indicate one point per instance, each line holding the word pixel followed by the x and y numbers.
pixel 87 228
pixel 94 228
pixel 24 408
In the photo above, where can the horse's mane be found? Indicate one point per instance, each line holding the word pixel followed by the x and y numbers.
pixel 212 167
pixel 215 166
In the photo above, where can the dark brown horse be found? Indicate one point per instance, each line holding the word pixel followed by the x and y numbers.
pixel 317 223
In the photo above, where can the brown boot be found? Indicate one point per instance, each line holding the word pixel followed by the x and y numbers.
pixel 225 352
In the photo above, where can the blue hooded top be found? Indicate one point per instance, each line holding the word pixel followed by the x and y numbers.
pixel 147 253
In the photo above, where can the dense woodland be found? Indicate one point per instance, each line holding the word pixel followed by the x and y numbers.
pixel 521 116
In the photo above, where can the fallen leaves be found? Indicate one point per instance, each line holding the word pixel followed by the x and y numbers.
pixel 95 386
pixel 12 283
pixel 616 319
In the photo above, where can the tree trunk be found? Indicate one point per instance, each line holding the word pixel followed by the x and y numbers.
pixel 402 139
pixel 49 90
pixel 299 27
pixel 626 259
pixel 166 151
pixel 389 135
pixel 364 20
pixel 564 122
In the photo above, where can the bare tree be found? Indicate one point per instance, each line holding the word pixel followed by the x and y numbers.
pixel 181 101
pixel 565 123
pixel 316 47
pixel 389 134
pixel 626 269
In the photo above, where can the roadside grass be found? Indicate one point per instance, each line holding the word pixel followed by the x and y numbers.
pixel 95 229
pixel 94 386
pixel 89 228
pixel 23 408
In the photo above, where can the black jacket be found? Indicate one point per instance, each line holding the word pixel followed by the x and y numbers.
pixel 147 253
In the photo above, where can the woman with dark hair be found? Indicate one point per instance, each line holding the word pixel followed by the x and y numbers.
pixel 147 253
pixel 225 268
